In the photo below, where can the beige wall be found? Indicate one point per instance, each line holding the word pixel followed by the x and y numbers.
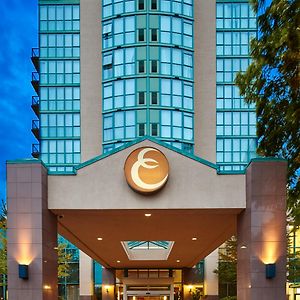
pixel 211 282
pixel 205 79
pixel 90 78
pixel 85 274
pixel 102 185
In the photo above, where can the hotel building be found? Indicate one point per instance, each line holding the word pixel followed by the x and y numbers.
pixel 146 156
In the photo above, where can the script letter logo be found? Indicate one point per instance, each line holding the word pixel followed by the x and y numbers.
pixel 146 170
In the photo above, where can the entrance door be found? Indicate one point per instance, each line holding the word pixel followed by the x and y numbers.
pixel 149 293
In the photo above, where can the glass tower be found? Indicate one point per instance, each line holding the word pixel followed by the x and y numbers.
pixel 236 120
pixel 147 82
pixel 147 60
pixel 59 86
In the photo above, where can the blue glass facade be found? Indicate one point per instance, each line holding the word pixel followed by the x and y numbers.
pixel 147 74
pixel 59 85
pixel 236 120
pixel 147 84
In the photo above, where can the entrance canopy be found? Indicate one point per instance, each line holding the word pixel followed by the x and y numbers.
pixel 195 210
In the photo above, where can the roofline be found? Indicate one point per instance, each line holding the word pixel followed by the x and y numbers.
pixel 151 139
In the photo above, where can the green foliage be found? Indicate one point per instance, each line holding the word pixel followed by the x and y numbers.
pixel 293 258
pixel 196 294
pixel 228 262
pixel 272 83
pixel 64 259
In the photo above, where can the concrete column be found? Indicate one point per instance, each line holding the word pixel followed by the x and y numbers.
pixel 211 282
pixel 108 284
pixel 205 75
pixel 31 233
pixel 262 232
pixel 90 78
pixel 86 280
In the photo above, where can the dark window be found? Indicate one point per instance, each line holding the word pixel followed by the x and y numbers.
pixel 141 35
pixel 154 66
pixel 141 66
pixel 154 35
pixel 141 4
pixel 141 98
pixel 142 129
pixel 154 98
pixel 154 129
pixel 153 4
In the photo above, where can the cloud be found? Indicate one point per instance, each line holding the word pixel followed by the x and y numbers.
pixel 18 27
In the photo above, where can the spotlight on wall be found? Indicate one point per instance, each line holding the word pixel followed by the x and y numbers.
pixel 270 271
pixel 23 271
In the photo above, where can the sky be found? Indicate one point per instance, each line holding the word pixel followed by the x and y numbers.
pixel 18 34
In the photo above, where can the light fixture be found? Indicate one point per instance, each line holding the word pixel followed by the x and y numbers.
pixel 47 287
pixel 243 247
pixel 194 239
pixel 118 261
pixel 107 288
pixel 99 238
pixel 178 260
pixel 147 215
pixel 270 271
pixel 190 287
pixel 23 271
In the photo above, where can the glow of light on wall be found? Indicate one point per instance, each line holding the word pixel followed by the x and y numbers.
pixel 270 252
pixel 24 254
pixel 47 287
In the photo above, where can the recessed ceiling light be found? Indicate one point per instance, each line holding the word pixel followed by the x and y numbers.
pixel 118 261
pixel 147 215
pixel 243 247
pixel 178 260
pixel 194 239
pixel 99 238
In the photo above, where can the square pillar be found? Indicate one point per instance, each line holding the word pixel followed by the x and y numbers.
pixel 261 232
pixel 108 284
pixel 86 276
pixel 31 233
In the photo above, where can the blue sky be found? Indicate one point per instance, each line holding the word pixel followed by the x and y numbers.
pixel 18 34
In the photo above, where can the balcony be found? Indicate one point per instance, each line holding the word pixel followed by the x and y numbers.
pixel 35 150
pixel 35 58
pixel 36 129
pixel 35 105
pixel 35 81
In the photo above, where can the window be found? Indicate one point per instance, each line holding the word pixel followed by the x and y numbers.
pixel 142 129
pixel 154 35
pixel 154 129
pixel 154 98
pixel 154 66
pixel 153 4
pixel 141 98
pixel 141 35
pixel 141 66
pixel 141 4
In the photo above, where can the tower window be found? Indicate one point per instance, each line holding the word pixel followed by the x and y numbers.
pixel 141 66
pixel 154 98
pixel 141 4
pixel 154 131
pixel 154 66
pixel 142 129
pixel 153 4
pixel 141 98
pixel 154 35
pixel 141 35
